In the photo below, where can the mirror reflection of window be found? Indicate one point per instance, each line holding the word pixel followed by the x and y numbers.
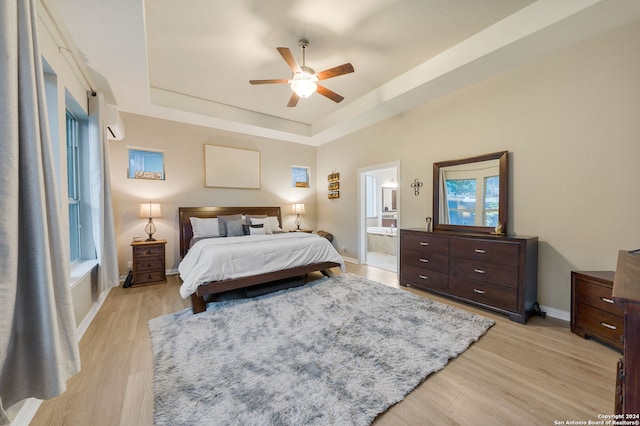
pixel 472 196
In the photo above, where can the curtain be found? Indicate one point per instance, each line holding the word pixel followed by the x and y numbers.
pixel 100 195
pixel 38 346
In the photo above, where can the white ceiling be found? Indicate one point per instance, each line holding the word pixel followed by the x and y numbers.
pixel 192 60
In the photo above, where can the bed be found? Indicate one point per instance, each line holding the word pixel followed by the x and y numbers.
pixel 192 270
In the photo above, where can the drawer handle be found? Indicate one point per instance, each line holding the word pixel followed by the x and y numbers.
pixel 609 326
pixel 422 243
pixel 424 260
pixel 424 277
pixel 479 291
pixel 480 271
pixel 606 299
pixel 480 251
pixel 147 252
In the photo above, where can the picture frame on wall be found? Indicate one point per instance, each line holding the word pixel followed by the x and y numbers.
pixel 227 167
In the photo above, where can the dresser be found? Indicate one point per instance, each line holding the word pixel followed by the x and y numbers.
pixel 489 271
pixel 626 294
pixel 593 311
pixel 149 262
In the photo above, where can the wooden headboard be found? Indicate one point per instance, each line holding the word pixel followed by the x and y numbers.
pixel 185 213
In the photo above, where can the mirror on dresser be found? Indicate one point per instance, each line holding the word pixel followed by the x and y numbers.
pixel 470 194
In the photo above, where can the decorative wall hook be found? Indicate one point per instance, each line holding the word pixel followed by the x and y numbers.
pixel 416 185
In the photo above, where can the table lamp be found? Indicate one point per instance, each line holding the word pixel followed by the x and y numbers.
pixel 150 210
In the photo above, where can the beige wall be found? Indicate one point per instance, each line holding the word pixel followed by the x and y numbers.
pixel 571 124
pixel 183 145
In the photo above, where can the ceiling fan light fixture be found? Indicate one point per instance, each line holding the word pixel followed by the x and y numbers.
pixel 304 84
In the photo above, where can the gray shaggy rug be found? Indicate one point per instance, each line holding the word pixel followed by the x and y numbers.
pixel 338 351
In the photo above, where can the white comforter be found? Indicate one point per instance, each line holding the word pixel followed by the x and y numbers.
pixel 215 259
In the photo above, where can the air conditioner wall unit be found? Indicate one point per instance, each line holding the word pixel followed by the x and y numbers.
pixel 115 126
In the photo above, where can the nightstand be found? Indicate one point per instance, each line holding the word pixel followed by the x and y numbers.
pixel 308 231
pixel 149 262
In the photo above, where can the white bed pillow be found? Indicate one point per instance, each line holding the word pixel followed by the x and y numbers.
pixel 275 225
pixel 204 228
pixel 265 222
pixel 254 230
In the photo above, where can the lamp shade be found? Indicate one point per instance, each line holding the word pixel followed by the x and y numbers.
pixel 298 208
pixel 150 210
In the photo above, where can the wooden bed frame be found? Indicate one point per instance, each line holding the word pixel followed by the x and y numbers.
pixel 186 233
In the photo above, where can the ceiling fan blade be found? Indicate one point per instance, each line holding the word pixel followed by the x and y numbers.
pixel 330 94
pixel 335 71
pixel 275 81
pixel 293 100
pixel 289 59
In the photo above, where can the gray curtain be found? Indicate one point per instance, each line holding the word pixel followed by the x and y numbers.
pixel 38 346
pixel 100 189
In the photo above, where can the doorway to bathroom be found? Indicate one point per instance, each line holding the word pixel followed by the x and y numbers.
pixel 379 215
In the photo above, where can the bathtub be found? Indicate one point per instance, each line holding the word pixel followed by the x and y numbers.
pixel 381 239
pixel 381 230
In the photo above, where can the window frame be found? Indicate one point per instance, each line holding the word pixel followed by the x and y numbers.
pixel 73 187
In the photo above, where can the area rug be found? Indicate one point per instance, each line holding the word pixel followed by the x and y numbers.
pixel 338 351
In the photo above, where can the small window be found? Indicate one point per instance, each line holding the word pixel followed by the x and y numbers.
pixel 146 164
pixel 299 177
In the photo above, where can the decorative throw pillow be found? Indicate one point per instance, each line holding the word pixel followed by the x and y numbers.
pixel 222 221
pixel 264 222
pixel 256 230
pixel 235 228
pixel 204 228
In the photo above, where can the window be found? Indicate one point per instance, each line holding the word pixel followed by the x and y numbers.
pixel 299 177
pixel 73 187
pixel 146 164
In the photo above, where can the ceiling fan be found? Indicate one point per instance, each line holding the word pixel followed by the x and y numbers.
pixel 304 79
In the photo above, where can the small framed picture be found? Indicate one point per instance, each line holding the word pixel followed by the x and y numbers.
pixel 334 194
pixel 333 177
pixel 333 186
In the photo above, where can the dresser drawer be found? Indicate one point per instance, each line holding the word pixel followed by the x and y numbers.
pixel 148 250
pixel 424 278
pixel 149 262
pixel 491 251
pixel 496 273
pixel 426 259
pixel 601 324
pixel 144 277
pixel 597 295
pixel 425 243
pixel 485 293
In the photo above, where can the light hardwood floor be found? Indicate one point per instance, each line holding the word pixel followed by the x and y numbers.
pixel 532 374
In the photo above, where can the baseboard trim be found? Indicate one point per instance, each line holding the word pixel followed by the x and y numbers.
pixel 88 319
pixel 27 412
pixel 556 313
pixel 350 260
